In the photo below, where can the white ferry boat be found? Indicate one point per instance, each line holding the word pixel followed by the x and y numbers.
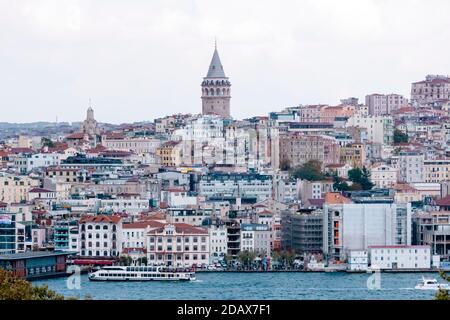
pixel 431 284
pixel 142 273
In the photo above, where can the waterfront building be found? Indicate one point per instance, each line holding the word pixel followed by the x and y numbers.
pixel 100 236
pixel 399 257
pixel 433 229
pixel 178 244
pixel 302 230
pixel 33 265
pixel 358 260
pixel 218 243
pixel 356 226
pixel 256 238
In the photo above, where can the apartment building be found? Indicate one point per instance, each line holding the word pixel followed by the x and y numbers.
pixel 256 238
pixel 434 89
pixel 178 244
pixel 14 189
pixel 297 149
pixel 100 236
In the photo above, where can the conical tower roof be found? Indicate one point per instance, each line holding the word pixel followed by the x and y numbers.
pixel 215 67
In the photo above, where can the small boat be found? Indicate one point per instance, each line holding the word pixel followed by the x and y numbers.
pixel 142 273
pixel 431 284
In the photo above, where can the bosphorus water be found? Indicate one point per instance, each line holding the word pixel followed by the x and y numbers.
pixel 254 286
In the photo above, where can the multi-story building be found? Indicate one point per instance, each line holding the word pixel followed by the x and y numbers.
pixel 434 89
pixel 256 238
pixel 400 257
pixel 14 189
pixel 139 146
pixel 27 162
pixel 193 217
pixel 302 230
pixel 8 233
pixel 65 235
pixel 381 104
pixel 100 236
pixel 436 170
pixel 433 229
pixel 298 149
pixel 178 244
pixel 218 243
pixel 356 226
pixel 353 154
pixel 170 153
pixel 380 129
pixel 383 176
pixel 410 166
pixel 251 186
pixel 314 189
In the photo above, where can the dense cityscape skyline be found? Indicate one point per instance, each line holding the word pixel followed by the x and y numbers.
pixel 302 53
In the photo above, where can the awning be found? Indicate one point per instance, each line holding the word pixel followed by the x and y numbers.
pixel 94 262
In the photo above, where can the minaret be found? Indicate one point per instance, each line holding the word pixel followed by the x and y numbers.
pixel 216 89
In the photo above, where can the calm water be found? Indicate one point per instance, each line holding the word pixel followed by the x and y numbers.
pixel 231 286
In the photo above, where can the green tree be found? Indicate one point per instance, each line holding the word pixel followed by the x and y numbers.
pixel 311 171
pixel 15 288
pixel 360 179
pixel 285 165
pixel 47 142
pixel 443 294
pixel 339 184
pixel 400 136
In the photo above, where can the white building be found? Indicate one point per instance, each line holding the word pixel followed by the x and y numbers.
pixel 379 128
pixel 357 226
pixel 400 257
pixel 410 166
pixel 256 238
pixel 100 236
pixel 178 244
pixel 358 260
pixel 383 176
pixel 26 163
pixel 223 185
pixel 218 243
pixel 178 198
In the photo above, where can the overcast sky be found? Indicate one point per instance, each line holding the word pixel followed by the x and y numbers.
pixel 142 59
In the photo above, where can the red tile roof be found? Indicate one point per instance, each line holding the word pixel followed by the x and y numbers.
pixel 100 218
pixel 443 202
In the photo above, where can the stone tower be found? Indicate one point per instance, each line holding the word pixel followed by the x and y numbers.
pixel 89 126
pixel 216 89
